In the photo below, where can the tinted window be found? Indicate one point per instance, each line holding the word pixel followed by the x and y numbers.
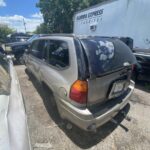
pixel 38 48
pixel 34 49
pixel 58 53
pixel 106 54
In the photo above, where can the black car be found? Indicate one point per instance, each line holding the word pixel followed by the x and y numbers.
pixel 142 67
pixel 18 48
pixel 17 37
pixel 143 59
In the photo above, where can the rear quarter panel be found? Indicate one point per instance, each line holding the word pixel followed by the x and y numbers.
pixel 60 80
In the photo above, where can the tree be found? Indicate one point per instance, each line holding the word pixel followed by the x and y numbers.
pixel 4 31
pixel 58 14
pixel 41 29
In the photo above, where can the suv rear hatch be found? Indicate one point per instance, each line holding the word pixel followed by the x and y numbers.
pixel 110 67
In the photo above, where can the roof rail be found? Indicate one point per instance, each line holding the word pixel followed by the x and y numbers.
pixel 73 35
pixel 62 34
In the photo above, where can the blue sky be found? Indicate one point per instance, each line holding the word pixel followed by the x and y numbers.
pixel 12 12
pixel 20 7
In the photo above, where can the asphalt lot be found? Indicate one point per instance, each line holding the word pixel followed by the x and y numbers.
pixel 47 130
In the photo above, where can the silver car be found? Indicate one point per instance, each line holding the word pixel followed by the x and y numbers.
pixel 90 76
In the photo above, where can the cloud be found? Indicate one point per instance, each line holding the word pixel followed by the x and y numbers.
pixel 2 3
pixel 37 15
pixel 17 22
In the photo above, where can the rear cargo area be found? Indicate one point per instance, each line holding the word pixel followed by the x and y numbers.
pixel 110 67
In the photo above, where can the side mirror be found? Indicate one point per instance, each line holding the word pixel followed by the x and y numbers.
pixel 29 46
pixel 26 51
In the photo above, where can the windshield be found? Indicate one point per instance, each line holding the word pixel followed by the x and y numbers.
pixel 32 38
pixel 4 77
pixel 106 54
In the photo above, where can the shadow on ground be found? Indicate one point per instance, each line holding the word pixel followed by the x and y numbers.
pixel 143 85
pixel 81 138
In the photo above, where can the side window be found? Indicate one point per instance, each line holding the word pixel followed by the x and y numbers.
pixel 34 48
pixel 38 48
pixel 58 53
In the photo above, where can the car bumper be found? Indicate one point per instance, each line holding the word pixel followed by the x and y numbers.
pixel 85 119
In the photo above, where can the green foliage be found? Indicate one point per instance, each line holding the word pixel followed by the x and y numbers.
pixel 42 28
pixel 58 14
pixel 4 31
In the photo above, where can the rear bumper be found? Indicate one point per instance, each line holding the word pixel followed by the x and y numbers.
pixel 84 118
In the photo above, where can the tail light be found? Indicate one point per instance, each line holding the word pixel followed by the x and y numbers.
pixel 79 91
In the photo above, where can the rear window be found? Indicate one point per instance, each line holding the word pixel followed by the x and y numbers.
pixel 106 54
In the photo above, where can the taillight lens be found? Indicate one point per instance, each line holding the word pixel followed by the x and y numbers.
pixel 79 91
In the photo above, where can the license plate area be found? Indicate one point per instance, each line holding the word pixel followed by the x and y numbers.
pixel 117 89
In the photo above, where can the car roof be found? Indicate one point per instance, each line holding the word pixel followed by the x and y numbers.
pixel 63 35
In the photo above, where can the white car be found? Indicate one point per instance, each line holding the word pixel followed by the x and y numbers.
pixel 13 125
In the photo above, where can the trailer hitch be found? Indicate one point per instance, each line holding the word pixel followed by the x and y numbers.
pixel 128 118
pixel 119 124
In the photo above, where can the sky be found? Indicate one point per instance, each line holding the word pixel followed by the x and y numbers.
pixel 13 12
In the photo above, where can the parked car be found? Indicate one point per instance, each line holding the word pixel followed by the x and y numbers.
pixel 17 37
pixel 90 76
pixel 13 125
pixel 18 48
pixel 143 65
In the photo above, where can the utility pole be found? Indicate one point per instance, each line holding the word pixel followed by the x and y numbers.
pixel 24 25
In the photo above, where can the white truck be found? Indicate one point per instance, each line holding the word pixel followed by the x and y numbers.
pixel 117 18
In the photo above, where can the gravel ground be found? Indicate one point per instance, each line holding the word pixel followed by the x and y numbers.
pixel 48 132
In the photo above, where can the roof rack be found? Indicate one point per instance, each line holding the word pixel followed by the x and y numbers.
pixel 60 34
pixel 73 35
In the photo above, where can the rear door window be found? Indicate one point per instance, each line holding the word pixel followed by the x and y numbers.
pixel 58 53
pixel 106 54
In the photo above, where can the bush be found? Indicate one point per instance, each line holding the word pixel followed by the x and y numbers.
pixel 4 31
